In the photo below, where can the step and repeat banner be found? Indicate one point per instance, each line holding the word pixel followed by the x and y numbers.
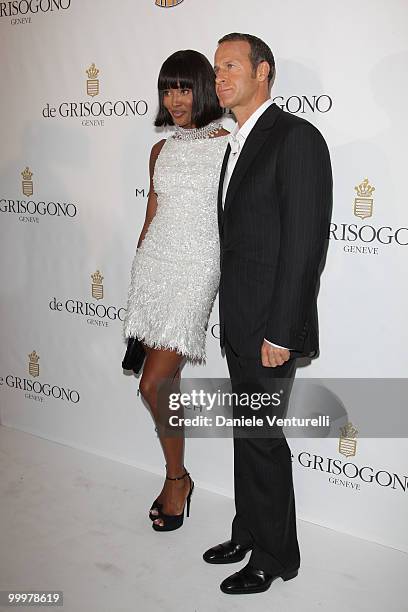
pixel 78 101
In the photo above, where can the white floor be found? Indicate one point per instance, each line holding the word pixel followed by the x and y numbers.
pixel 76 522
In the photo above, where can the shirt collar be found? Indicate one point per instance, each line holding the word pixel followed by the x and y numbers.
pixel 242 132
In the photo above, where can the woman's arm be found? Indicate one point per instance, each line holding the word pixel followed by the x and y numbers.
pixel 152 197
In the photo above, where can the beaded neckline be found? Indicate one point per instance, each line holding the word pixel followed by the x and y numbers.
pixel 203 133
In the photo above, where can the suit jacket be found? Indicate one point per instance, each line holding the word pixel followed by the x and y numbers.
pixel 273 235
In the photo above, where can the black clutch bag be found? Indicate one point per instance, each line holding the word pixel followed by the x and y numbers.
pixel 134 356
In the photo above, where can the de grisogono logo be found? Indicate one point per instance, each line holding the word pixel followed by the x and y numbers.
pixel 348 474
pixel 320 103
pixel 36 390
pixel 21 11
pixel 97 110
pixel 367 236
pixel 31 211
pixel 348 440
pixel 168 3
pixel 301 105
pixel 364 202
pixel 97 314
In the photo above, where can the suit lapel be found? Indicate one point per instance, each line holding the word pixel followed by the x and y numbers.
pixel 253 143
pixel 221 185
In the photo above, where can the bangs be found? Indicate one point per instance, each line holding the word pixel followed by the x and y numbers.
pixel 176 73
pixel 175 83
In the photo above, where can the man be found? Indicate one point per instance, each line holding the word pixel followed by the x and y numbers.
pixel 274 211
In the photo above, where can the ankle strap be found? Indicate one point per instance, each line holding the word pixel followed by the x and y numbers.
pixel 178 477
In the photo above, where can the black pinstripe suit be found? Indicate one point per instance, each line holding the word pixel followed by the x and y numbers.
pixel 273 233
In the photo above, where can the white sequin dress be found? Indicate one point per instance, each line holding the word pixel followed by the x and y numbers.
pixel 175 271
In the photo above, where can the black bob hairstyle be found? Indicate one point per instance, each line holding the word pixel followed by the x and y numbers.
pixel 189 70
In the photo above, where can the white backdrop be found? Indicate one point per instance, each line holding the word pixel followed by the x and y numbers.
pixel 342 67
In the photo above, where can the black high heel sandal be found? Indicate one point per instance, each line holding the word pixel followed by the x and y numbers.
pixel 174 521
pixel 156 505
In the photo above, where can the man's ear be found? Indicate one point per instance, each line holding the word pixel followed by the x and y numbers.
pixel 262 71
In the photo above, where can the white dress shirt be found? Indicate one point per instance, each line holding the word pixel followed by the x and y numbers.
pixel 237 140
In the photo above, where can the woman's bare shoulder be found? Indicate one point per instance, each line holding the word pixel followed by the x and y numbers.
pixel 157 147
pixel 154 154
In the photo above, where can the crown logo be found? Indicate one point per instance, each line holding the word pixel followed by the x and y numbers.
pixel 97 287
pixel 33 367
pixel 167 3
pixel 92 83
pixel 347 441
pixel 27 183
pixel 363 203
pixel 364 189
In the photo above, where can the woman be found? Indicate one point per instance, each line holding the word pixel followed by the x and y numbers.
pixel 175 272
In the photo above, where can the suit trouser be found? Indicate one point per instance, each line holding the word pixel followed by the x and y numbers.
pixel 264 496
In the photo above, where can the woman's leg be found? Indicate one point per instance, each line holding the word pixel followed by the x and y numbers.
pixel 159 365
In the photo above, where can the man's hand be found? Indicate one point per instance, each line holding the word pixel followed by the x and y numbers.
pixel 272 356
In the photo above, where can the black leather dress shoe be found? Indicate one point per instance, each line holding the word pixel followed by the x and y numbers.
pixel 252 580
pixel 227 552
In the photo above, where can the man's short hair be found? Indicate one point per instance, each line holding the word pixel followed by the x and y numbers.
pixel 260 52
